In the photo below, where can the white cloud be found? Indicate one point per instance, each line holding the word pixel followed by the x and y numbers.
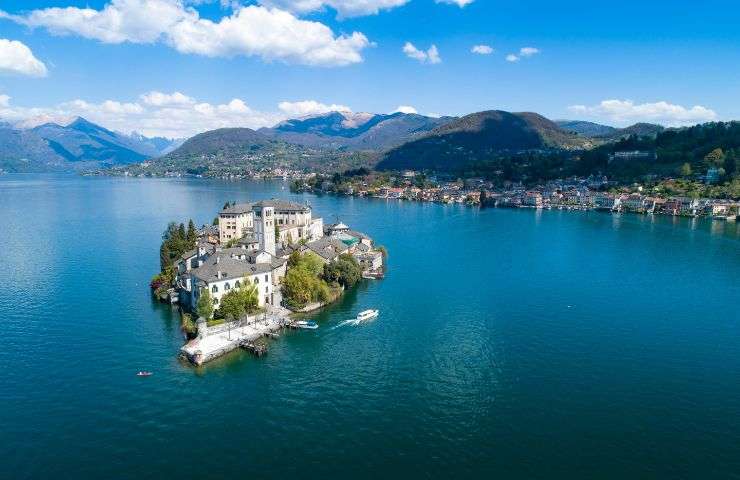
pixel 459 3
pixel 16 58
pixel 524 52
pixel 159 99
pixel 625 112
pixel 309 107
pixel 528 51
pixel 482 49
pixel 344 8
pixel 268 33
pixel 430 56
pixel 173 115
pixel 405 109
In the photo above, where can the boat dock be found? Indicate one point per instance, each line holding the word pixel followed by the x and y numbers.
pixel 215 341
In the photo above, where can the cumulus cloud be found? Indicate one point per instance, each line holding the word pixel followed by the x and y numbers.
pixel 459 3
pixel 528 51
pixel 159 99
pixel 172 115
pixel 625 112
pixel 310 107
pixel 405 109
pixel 429 56
pixel 17 59
pixel 482 49
pixel 524 52
pixel 344 8
pixel 268 33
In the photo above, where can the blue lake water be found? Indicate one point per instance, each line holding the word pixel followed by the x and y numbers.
pixel 511 343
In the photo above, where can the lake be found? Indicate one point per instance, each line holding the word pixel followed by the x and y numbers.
pixel 511 343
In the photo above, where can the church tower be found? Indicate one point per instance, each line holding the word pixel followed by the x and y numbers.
pixel 265 228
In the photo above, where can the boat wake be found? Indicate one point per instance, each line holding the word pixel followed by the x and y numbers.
pixel 351 321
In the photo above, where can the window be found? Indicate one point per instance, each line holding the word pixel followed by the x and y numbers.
pixel 267 278
pixel 227 286
pixel 256 280
pixel 215 301
pixel 266 289
pixel 238 284
pixel 214 289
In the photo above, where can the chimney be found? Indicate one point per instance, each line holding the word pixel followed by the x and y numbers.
pixel 218 274
pixel 218 260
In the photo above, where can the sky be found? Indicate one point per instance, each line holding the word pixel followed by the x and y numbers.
pixel 179 67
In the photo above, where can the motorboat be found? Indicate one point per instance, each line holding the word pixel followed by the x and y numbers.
pixel 367 315
pixel 307 324
pixel 144 374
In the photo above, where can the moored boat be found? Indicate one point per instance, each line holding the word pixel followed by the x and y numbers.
pixel 367 315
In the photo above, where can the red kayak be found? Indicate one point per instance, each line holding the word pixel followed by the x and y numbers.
pixel 144 374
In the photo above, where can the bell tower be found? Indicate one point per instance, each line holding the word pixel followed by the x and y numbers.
pixel 265 228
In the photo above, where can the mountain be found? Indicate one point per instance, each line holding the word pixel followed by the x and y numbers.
pixel 78 145
pixel 85 141
pixel 478 137
pixel 639 129
pixel 157 145
pixel 587 129
pixel 354 131
pixel 223 141
pixel 25 151
pixel 236 151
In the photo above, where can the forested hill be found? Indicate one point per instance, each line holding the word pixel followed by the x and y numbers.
pixel 683 151
pixel 477 138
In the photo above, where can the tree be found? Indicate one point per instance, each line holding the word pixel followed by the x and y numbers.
pixel 192 235
pixel 685 170
pixel 277 233
pixel 165 259
pixel 297 287
pixel 715 158
pixel 294 259
pixel 231 305
pixel 343 271
pixel 204 307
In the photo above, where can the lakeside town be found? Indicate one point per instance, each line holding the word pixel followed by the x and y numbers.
pixel 245 276
pixel 574 193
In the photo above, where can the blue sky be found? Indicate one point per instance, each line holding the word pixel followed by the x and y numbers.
pixel 671 62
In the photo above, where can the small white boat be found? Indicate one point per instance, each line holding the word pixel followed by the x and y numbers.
pixel 367 315
pixel 307 324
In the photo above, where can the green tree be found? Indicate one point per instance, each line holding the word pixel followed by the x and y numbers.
pixel 344 271
pixel 297 287
pixel 715 158
pixel 204 307
pixel 277 233
pixel 231 305
pixel 685 170
pixel 192 235
pixel 165 256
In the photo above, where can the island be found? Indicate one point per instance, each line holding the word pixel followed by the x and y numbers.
pixel 245 276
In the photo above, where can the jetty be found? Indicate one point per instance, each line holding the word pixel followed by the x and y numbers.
pixel 215 341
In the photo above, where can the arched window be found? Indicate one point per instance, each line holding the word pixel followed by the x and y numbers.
pixel 256 280
pixel 214 289
pixel 215 301
pixel 227 286
pixel 237 284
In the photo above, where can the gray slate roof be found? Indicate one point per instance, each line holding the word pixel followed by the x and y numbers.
pixel 278 205
pixel 232 268
pixel 327 247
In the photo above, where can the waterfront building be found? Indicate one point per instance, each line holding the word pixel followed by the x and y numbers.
pixel 293 220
